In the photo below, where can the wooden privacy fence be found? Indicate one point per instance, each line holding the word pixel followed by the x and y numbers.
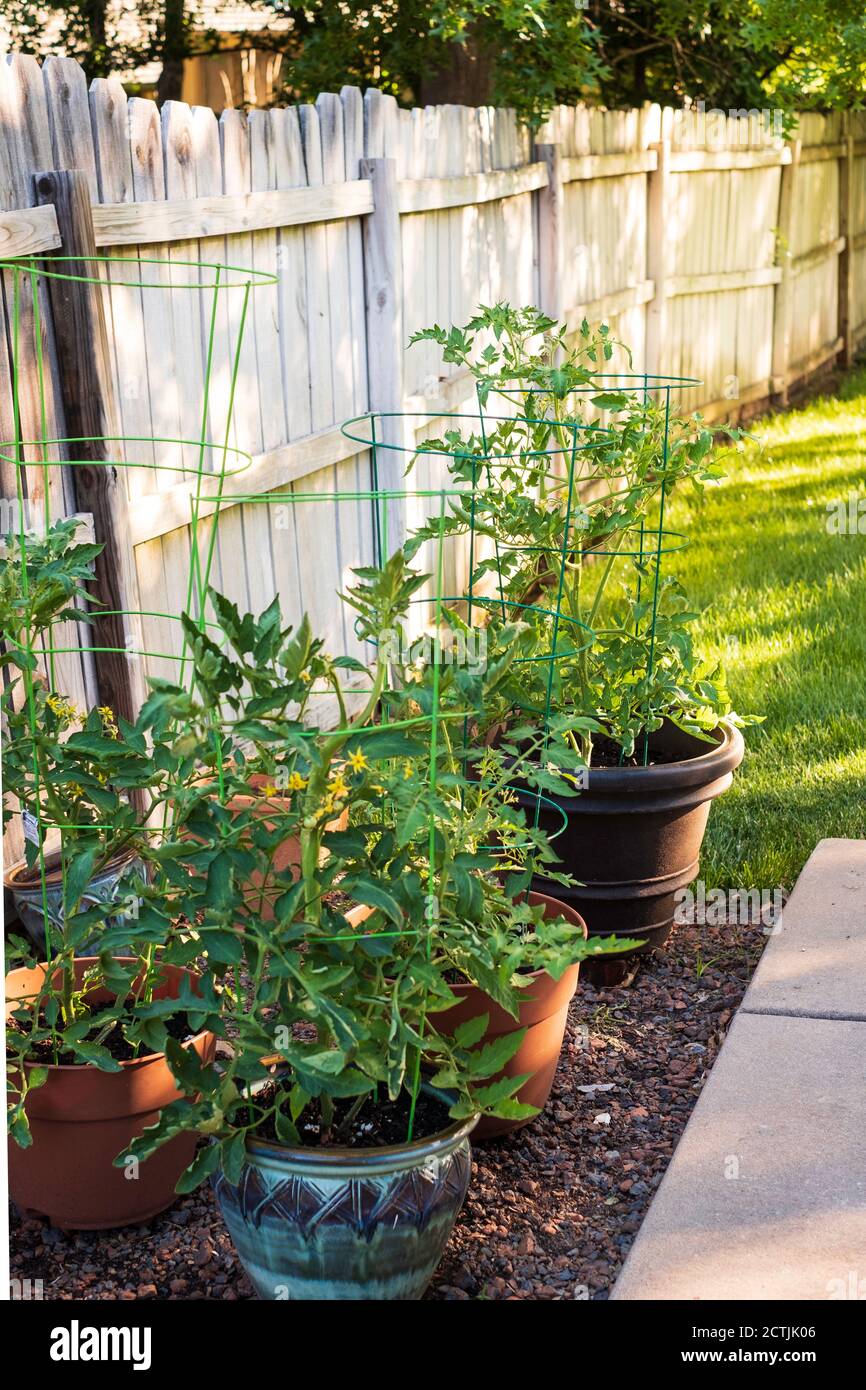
pixel 713 251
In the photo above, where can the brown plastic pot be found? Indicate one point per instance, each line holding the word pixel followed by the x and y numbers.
pixel 288 855
pixel 543 1013
pixel 632 840
pixel 82 1118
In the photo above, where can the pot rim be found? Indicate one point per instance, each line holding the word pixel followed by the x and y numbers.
pixel 719 760
pixel 132 1062
pixel 339 1157
pixel 16 876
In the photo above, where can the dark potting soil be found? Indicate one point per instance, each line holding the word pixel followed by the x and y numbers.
pixel 177 1027
pixel 376 1125
pixel 606 752
pixel 456 977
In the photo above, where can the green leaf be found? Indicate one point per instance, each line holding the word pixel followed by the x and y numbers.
pixel 97 1056
pixel 219 883
pixel 346 843
pixel 446 1079
pixel 471 1032
pixel 205 1162
pixel 331 1062
pixel 287 1132
pixel 298 1101
pixel 384 743
pixel 183 1064
pixel 509 1109
pixel 499 1092
pixel 371 894
pixel 493 1056
pixel 349 663
pixel 233 1155
pixel 77 877
pixel 19 1128
pixel 226 947
pixel 132 736
pixel 287 903
pixel 94 746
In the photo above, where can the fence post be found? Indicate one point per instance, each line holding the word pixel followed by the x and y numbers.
pixel 91 415
pixel 551 232
pixel 783 302
pixel 846 323
pixel 383 282
pixel 658 255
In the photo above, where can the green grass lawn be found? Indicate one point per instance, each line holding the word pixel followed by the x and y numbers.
pixel 786 610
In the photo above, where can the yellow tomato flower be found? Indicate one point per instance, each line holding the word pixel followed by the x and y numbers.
pixel 297 783
pixel 109 724
pixel 269 790
pixel 63 709
pixel 357 762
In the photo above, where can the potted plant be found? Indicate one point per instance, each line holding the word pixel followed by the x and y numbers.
pixel 338 1124
pixel 542 1004
pixel 573 512
pixel 89 1026
pixel 63 771
pixel 86 1044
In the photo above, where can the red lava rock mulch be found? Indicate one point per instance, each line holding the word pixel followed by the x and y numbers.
pixel 551 1211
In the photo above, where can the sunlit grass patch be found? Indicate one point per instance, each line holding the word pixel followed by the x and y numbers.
pixel 785 607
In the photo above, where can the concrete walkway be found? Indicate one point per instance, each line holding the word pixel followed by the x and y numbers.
pixel 765 1196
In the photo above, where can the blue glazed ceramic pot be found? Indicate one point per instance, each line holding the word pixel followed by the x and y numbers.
pixel 315 1224
pixel 25 886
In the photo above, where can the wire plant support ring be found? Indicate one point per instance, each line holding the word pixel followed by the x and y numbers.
pixel 46 470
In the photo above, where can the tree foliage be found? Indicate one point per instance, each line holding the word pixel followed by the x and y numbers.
pixel 733 53
pixel 531 54
pixel 100 35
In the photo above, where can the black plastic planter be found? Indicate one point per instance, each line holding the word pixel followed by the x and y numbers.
pixel 633 838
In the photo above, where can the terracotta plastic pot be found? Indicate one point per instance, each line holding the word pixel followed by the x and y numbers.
pixel 82 1118
pixel 633 839
pixel 339 1224
pixel 25 885
pixel 543 1013
pixel 288 855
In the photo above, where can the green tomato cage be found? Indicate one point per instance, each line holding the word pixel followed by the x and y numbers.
pixel 485 450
